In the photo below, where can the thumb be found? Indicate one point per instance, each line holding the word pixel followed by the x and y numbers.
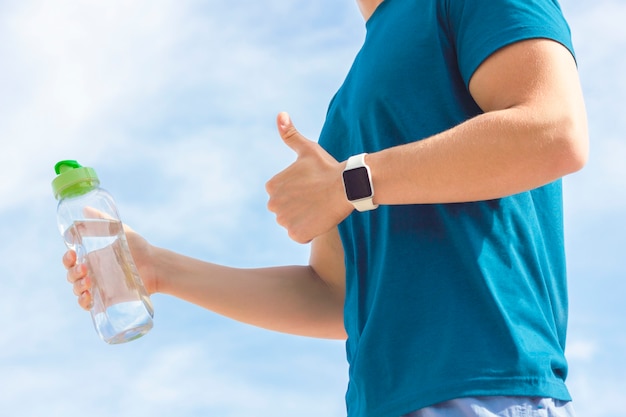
pixel 290 134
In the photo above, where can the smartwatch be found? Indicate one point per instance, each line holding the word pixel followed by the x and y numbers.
pixel 357 181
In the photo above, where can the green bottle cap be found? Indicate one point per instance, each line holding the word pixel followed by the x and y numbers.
pixel 73 179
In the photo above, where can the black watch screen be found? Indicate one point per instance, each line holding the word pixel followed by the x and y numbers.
pixel 357 183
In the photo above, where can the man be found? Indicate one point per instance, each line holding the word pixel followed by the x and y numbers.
pixel 449 137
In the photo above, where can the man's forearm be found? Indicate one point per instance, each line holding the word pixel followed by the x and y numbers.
pixel 493 155
pixel 289 299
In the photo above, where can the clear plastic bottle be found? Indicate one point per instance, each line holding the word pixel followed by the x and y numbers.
pixel 90 225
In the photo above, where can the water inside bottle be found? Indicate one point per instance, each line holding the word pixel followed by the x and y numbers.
pixel 122 310
pixel 123 322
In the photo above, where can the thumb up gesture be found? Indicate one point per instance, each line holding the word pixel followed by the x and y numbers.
pixel 308 197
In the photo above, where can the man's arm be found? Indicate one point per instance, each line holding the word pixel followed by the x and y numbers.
pixel 302 300
pixel 533 131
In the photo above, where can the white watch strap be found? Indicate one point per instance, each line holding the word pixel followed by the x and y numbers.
pixel 356 161
pixel 364 204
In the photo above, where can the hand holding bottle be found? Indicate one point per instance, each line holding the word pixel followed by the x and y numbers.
pixel 109 283
pixel 82 284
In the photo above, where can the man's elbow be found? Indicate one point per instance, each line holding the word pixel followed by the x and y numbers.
pixel 577 146
pixel 573 145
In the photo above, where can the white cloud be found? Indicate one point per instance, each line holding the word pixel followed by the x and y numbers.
pixel 214 374
pixel 597 392
pixel 208 383
pixel 597 30
pixel 89 77
pixel 75 63
pixel 581 350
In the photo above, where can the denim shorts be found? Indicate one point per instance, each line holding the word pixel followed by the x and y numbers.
pixel 498 407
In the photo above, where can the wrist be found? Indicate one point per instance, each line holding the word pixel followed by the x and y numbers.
pixel 340 186
pixel 153 273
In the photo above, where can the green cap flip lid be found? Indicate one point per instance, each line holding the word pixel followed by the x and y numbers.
pixel 73 179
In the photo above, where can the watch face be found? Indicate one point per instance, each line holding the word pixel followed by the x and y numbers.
pixel 357 184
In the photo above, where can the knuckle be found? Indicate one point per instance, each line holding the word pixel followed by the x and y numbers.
pixel 281 220
pixel 76 273
pixel 271 205
pixel 292 235
pixel 85 300
pixel 298 235
pixel 291 133
pixel 78 288
pixel 69 259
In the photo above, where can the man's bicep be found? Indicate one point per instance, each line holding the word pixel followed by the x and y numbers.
pixel 535 72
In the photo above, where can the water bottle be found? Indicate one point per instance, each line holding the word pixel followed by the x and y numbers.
pixel 90 225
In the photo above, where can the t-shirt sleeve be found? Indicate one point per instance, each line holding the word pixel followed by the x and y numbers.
pixel 481 27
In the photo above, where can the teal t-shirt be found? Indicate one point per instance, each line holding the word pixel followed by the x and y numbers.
pixel 450 300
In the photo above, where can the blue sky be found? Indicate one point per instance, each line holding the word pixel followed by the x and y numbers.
pixel 174 102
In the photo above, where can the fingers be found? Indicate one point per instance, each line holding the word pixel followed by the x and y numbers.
pixel 69 259
pixel 81 289
pixel 284 122
pixel 81 286
pixel 290 134
pixel 77 276
pixel 85 300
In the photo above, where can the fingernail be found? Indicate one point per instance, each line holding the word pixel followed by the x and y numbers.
pixel 284 120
